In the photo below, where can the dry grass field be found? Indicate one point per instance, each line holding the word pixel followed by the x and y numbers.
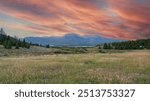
pixel 89 68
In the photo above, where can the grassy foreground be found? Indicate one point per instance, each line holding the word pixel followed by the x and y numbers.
pixel 127 67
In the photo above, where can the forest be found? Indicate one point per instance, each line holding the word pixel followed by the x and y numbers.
pixel 9 42
pixel 128 45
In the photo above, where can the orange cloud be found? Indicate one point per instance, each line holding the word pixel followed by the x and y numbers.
pixel 120 19
pixel 135 16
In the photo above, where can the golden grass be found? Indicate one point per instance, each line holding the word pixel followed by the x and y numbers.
pixel 128 67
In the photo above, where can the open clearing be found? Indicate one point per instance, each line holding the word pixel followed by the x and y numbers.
pixel 89 68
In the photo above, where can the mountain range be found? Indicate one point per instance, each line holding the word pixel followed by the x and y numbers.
pixel 70 40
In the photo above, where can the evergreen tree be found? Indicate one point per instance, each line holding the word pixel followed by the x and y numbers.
pixel 99 47
pixel 109 46
pixel 27 46
pixel 47 46
pixel 17 45
pixel 7 44
pixel 148 46
pixel 105 46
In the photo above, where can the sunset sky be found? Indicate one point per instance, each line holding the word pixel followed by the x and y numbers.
pixel 118 19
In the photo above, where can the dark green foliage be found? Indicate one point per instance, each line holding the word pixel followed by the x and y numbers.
pixel 128 45
pixel 17 45
pixel 47 46
pixel 107 46
pixel 9 42
pixel 99 47
pixel 148 45
pixel 27 46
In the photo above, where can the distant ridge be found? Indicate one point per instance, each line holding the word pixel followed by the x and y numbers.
pixel 70 40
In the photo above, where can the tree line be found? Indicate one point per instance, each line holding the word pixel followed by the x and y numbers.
pixel 9 42
pixel 127 45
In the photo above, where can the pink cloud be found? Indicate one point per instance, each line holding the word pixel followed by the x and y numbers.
pixel 120 19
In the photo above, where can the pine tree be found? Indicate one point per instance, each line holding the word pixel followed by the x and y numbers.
pixel 148 46
pixel 47 46
pixel 7 44
pixel 17 45
pixel 99 47
pixel 109 46
pixel 105 46
pixel 27 46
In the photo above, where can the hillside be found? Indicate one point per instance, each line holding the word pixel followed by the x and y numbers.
pixel 9 42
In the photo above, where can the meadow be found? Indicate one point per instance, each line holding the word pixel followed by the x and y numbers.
pixel 90 67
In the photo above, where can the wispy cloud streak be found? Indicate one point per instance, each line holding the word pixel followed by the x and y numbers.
pixel 120 19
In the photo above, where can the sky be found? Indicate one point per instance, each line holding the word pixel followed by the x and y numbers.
pixel 117 19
